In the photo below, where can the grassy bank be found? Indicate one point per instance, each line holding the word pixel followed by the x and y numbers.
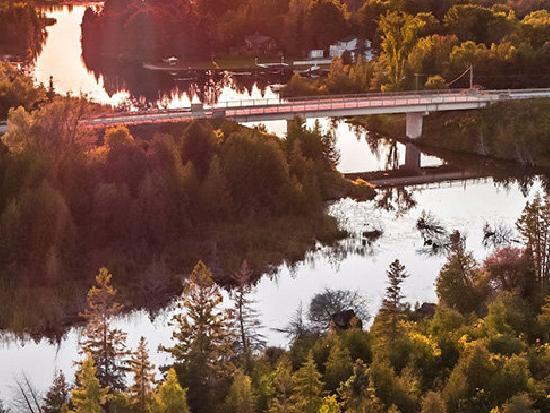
pixel 518 131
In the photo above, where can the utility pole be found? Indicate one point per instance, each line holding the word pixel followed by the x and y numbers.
pixel 51 91
pixel 471 76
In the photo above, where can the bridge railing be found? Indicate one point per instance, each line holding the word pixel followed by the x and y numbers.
pixel 331 102
pixel 293 99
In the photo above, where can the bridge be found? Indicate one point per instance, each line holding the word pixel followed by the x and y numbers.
pixel 415 104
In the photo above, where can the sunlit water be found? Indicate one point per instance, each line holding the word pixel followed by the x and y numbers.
pixel 61 58
pixel 462 206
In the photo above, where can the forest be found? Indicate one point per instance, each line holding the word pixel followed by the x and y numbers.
pixel 21 31
pixel 421 44
pixel 152 201
pixel 507 50
pixel 485 348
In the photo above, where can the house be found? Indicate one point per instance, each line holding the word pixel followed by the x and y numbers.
pixel 351 44
pixel 259 44
pixel 316 54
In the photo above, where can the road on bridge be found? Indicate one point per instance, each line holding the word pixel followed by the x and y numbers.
pixel 258 110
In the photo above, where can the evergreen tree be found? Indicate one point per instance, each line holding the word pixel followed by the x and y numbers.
pixel 339 365
pixel 392 305
pixel 106 345
pixel 241 398
pixel 144 376
pixel 457 282
pixel 58 395
pixel 534 226
pixel 357 393
pixel 202 347
pixel 170 396
pixel 88 396
pixel 283 386
pixel 308 387
pixel 247 321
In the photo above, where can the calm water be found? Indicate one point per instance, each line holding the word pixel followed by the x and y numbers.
pixel 464 206
pixel 113 84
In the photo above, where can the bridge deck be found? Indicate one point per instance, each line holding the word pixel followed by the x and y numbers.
pixel 258 110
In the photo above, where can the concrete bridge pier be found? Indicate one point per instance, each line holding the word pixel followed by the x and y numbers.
pixel 414 124
pixel 412 158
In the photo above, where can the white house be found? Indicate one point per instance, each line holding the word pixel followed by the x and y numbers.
pixel 350 44
pixel 316 54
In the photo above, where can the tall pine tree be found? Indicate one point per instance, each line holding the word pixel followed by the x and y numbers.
pixel 203 341
pixel 247 322
pixel 141 391
pixel 105 344
pixel 534 227
pixel 390 313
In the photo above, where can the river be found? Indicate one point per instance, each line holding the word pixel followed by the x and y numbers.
pixel 465 206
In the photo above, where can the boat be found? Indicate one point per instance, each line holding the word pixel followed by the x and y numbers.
pixel 172 61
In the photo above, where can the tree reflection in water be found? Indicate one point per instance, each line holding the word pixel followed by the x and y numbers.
pixel 149 88
pixel 399 199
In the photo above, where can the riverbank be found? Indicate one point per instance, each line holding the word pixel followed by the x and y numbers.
pixel 516 131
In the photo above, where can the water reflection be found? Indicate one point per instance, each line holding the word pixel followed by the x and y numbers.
pixel 356 263
pixel 130 85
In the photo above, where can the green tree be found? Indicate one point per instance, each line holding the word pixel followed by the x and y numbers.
pixel 17 90
pixel 430 55
pixel 54 130
pixel 308 387
pixel 203 341
pixel 332 16
pixel 468 387
pixel 400 390
pixel 392 305
pixel 471 22
pixel 357 392
pixel 241 398
pixel 457 285
pixel 283 388
pixel 141 391
pixel 170 397
pixel 117 137
pixel 58 395
pixel 399 35
pixel 105 344
pixel 339 365
pixel 534 227
pixel 88 396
